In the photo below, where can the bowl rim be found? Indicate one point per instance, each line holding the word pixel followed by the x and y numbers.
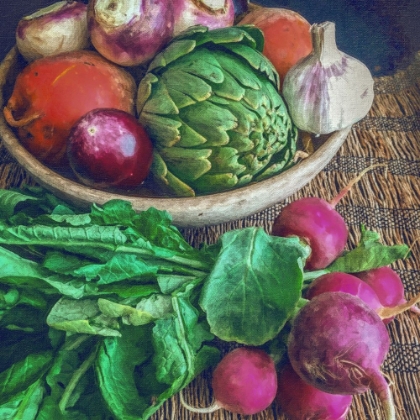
pixel 193 212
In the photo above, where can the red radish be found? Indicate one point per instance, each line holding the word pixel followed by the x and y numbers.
pixel 109 148
pixel 244 382
pixel 337 344
pixel 343 282
pixel 318 223
pixel 287 35
pixel 301 401
pixel 388 286
pixel 52 93
pixel 347 283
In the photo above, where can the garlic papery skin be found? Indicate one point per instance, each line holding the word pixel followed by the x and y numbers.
pixel 328 90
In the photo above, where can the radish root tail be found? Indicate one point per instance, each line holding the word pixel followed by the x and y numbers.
pixel 349 186
pixel 200 410
pixel 387 312
pixel 380 386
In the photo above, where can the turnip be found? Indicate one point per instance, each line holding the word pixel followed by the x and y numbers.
pixel 301 401
pixel 388 286
pixel 337 344
pixel 317 222
pixel 385 307
pixel 244 382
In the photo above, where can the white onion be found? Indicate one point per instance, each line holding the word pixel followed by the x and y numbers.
pixel 61 27
pixel 211 13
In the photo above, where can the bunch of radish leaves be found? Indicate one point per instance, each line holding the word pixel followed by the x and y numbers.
pixel 107 313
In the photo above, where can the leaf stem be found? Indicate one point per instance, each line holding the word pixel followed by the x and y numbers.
pixel 77 375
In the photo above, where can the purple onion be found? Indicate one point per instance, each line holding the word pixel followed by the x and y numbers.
pixel 211 13
pixel 61 27
pixel 130 32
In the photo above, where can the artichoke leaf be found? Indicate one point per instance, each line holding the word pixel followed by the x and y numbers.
pixel 186 83
pixel 211 121
pixel 202 64
pixel 235 67
pixel 210 183
pixel 229 88
pixel 225 159
pixel 247 35
pixel 164 131
pixel 189 137
pixel 240 142
pixel 145 90
pixel 171 53
pixel 247 119
pixel 159 101
pixel 257 61
pixel 186 163
pixel 166 179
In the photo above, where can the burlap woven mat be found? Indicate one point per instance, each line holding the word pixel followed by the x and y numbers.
pixel 385 200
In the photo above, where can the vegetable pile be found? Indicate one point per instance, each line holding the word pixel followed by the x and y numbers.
pixel 205 86
pixel 108 313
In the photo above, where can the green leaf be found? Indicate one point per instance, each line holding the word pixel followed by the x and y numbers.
pixel 22 374
pixel 9 200
pixel 25 405
pixel 82 317
pixel 254 286
pixel 370 253
pixel 115 365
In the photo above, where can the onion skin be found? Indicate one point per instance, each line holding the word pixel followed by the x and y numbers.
pixel 109 148
pixel 211 13
pixel 61 27
pixel 130 32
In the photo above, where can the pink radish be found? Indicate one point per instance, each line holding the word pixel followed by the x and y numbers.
pixel 337 344
pixel 347 283
pixel 301 401
pixel 388 286
pixel 343 282
pixel 244 382
pixel 318 223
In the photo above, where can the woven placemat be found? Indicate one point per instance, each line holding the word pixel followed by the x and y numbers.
pixel 386 200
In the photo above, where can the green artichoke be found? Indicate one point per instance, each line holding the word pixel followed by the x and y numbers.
pixel 210 103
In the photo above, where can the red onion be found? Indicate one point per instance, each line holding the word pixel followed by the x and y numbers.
pixel 211 13
pixel 61 27
pixel 130 32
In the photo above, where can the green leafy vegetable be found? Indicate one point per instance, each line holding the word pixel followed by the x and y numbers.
pixel 254 286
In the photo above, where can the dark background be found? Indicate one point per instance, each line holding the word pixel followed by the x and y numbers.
pixel 383 34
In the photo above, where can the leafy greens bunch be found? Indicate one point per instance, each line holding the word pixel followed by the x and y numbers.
pixel 108 313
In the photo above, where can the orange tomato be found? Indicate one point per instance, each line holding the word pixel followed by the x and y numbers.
pixel 287 35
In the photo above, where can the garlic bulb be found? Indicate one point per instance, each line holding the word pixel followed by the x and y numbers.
pixel 327 90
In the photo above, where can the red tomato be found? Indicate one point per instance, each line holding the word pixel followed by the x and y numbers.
pixel 287 36
pixel 52 93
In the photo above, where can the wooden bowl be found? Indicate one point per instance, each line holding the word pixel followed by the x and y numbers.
pixel 186 212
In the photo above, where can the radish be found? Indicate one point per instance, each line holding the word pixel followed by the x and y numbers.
pixel 301 401
pixel 343 282
pixel 317 222
pixel 244 382
pixel 347 283
pixel 337 344
pixel 388 286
